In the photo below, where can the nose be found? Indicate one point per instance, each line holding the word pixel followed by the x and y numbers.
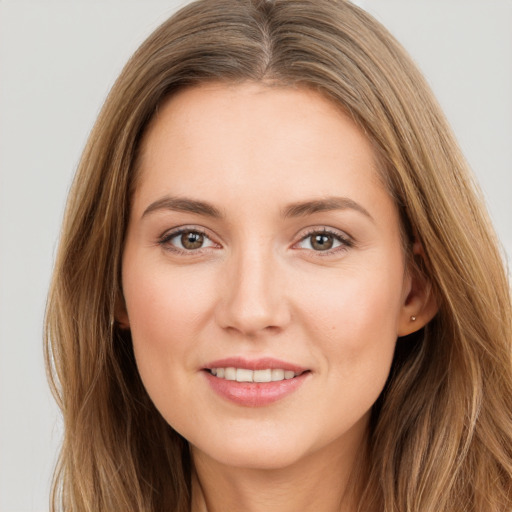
pixel 253 299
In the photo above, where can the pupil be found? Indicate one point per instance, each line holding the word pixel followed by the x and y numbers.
pixel 322 242
pixel 192 240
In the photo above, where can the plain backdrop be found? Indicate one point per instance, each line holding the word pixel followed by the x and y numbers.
pixel 58 60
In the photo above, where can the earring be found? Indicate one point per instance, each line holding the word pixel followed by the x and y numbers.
pixel 413 318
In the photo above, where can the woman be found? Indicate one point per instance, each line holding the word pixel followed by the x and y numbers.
pixel 277 287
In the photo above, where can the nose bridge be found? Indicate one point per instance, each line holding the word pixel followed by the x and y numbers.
pixel 254 300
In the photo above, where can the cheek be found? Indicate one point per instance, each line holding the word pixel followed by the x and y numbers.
pixel 164 303
pixel 358 306
pixel 355 325
pixel 166 311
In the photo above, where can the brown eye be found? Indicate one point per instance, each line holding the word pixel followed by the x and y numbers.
pixel 186 240
pixel 321 241
pixel 324 241
pixel 192 240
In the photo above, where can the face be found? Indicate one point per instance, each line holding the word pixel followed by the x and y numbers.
pixel 263 274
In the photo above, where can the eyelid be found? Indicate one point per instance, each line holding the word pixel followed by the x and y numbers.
pixel 346 240
pixel 164 239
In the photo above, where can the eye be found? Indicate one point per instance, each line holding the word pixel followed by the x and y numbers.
pixel 323 241
pixel 186 240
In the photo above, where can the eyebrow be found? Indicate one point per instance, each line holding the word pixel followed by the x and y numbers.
pixel 183 204
pixel 299 209
pixel 304 208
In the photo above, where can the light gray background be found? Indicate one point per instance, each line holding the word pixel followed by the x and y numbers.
pixel 58 59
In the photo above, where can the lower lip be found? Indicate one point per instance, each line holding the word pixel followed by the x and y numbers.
pixel 254 394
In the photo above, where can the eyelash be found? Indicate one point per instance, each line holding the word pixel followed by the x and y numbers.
pixel 345 241
pixel 165 241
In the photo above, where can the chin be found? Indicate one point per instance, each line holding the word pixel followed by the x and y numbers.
pixel 252 452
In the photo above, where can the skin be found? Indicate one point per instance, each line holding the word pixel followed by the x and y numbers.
pixel 258 287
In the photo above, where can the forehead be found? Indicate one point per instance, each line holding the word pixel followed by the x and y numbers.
pixel 217 136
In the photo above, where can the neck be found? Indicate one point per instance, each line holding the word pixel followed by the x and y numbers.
pixel 327 481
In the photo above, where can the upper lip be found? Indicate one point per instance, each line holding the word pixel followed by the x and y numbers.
pixel 261 363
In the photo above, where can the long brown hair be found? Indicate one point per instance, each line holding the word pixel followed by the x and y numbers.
pixel 441 432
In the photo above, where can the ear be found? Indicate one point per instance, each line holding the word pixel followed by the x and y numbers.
pixel 120 313
pixel 419 302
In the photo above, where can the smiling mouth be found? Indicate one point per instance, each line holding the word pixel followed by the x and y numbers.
pixel 246 375
pixel 254 383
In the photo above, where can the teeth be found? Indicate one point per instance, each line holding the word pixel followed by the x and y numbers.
pixel 245 375
pixel 277 375
pixel 230 373
pixel 262 375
